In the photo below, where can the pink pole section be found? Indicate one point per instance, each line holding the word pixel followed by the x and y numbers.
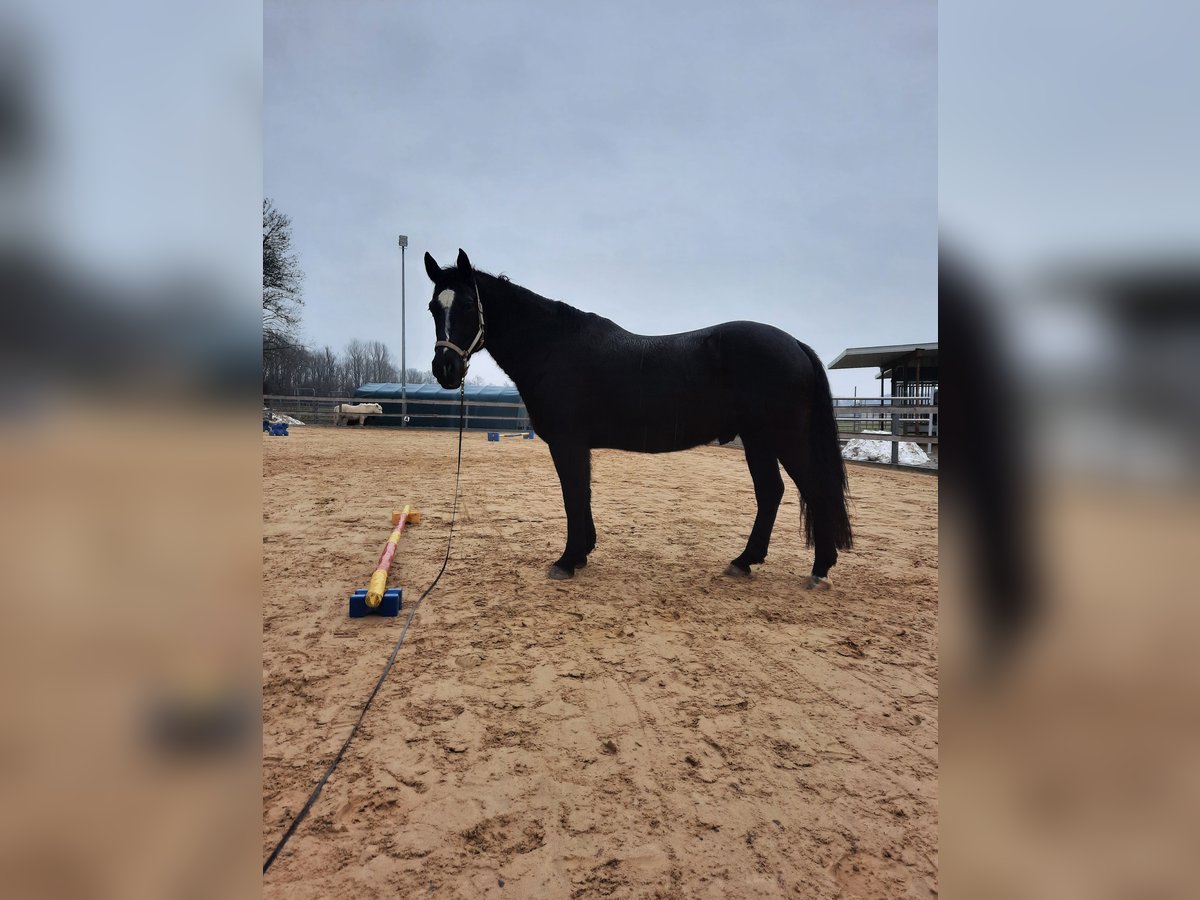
pixel 379 580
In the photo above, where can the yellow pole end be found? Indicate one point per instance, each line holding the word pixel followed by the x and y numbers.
pixel 375 589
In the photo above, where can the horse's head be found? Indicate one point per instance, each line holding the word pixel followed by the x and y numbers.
pixel 457 319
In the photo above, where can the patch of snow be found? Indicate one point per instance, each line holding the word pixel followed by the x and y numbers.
pixel 282 417
pixel 865 450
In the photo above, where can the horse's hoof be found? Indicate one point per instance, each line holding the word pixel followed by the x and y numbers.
pixel 733 570
pixel 817 583
pixel 560 574
pixel 582 564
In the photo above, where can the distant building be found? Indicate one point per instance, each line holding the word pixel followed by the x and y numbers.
pixel 489 406
pixel 913 371
pixel 912 368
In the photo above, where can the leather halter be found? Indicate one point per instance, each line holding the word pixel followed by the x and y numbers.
pixel 476 342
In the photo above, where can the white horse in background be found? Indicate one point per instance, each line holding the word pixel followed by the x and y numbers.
pixel 344 412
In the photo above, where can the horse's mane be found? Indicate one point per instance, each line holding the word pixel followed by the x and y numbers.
pixel 557 309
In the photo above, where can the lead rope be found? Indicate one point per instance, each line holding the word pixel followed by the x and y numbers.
pixel 316 792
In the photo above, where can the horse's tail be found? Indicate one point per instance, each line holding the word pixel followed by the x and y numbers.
pixel 824 500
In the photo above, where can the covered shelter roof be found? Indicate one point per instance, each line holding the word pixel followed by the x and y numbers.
pixel 481 393
pixel 887 357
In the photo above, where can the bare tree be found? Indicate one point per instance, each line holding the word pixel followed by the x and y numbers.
pixel 280 369
pixel 326 372
pixel 355 362
pixel 420 376
pixel 380 368
pixel 295 370
pixel 282 279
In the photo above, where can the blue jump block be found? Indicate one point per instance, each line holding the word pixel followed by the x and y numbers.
pixel 392 599
pixel 529 435
pixel 493 435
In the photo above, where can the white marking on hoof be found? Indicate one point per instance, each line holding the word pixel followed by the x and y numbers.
pixel 816 583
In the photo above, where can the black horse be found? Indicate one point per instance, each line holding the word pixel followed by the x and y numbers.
pixel 588 383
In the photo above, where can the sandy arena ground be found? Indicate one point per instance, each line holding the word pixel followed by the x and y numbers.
pixel 649 729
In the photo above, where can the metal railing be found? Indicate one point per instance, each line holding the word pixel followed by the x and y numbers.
pixel 901 421
pixel 899 418
pixel 422 412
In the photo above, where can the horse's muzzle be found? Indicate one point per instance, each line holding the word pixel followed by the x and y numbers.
pixel 448 368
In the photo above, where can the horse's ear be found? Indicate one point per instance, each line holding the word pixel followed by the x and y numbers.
pixel 432 269
pixel 464 264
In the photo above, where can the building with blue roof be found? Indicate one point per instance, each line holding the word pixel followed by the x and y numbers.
pixel 489 406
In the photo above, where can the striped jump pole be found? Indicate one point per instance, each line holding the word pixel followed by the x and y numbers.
pixel 377 598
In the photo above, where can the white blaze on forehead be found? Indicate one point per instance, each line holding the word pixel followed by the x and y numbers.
pixel 446 298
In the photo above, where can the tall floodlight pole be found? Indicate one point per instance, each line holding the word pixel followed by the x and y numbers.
pixel 403 361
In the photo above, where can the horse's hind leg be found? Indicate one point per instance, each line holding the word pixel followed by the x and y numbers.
pixel 574 465
pixel 589 535
pixel 792 458
pixel 768 491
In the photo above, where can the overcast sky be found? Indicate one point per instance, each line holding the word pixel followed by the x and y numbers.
pixel 667 165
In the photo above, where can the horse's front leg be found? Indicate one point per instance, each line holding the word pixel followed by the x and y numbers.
pixel 574 465
pixel 768 491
